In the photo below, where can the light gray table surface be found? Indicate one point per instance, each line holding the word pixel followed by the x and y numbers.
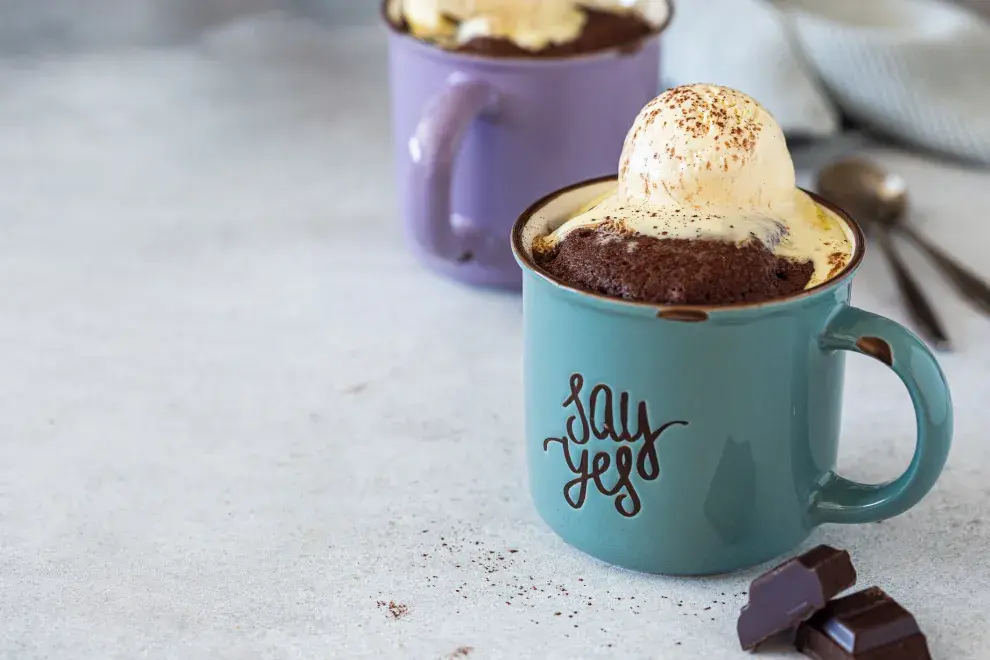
pixel 238 420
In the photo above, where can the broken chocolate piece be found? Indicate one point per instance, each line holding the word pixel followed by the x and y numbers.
pixel 791 593
pixel 867 625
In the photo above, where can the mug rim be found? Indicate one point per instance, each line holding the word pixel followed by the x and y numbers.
pixel 515 60
pixel 526 260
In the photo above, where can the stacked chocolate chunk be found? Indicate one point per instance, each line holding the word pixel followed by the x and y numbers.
pixel 794 601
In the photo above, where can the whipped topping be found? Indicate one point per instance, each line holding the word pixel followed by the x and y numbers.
pixel 708 162
pixel 530 25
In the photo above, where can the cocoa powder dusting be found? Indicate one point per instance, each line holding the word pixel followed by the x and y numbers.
pixel 837 260
pixel 500 574
pixel 714 116
pixel 396 610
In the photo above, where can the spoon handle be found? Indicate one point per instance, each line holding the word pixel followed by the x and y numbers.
pixel 918 306
pixel 968 283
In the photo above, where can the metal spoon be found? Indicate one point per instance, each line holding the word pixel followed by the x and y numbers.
pixel 867 192
pixel 894 192
pixel 891 190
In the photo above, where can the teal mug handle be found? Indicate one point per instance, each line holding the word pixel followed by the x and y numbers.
pixel 840 500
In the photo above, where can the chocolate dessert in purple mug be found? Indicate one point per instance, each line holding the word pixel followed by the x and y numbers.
pixel 493 107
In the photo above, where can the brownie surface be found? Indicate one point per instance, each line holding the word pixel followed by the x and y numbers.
pixel 672 271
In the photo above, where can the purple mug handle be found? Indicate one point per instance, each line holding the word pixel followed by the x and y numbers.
pixel 433 149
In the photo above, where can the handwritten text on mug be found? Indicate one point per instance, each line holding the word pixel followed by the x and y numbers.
pixel 600 421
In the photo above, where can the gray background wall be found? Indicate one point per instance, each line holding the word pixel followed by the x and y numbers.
pixel 32 25
pixel 39 25
pixel 348 12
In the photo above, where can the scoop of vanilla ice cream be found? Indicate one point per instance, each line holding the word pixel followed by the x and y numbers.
pixel 709 162
pixel 707 146
pixel 530 25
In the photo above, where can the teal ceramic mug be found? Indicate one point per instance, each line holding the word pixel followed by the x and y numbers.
pixel 697 440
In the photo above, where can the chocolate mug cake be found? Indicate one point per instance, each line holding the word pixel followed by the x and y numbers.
pixel 706 211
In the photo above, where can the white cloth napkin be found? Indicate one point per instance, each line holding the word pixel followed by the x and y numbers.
pixel 916 70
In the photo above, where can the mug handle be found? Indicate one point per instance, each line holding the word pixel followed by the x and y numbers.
pixel 840 500
pixel 433 149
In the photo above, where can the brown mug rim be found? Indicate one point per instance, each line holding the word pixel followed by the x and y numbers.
pixel 515 60
pixel 525 258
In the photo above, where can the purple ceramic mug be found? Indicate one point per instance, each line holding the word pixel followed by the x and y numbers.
pixel 477 139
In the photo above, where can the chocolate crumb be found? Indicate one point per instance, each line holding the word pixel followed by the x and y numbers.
pixel 397 610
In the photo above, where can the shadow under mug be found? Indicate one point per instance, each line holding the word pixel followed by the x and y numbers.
pixel 700 440
pixel 477 139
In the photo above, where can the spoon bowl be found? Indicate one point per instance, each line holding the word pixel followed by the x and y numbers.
pixel 879 200
pixel 863 187
pixel 866 189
